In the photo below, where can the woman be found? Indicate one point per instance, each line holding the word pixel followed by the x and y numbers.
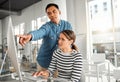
pixel 66 59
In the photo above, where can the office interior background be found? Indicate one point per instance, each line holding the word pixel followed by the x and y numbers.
pixel 95 22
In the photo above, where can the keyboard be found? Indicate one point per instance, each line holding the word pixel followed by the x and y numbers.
pixel 30 77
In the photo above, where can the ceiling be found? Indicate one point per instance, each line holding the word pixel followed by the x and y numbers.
pixel 12 7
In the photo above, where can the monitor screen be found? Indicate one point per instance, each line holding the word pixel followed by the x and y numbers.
pixel 12 49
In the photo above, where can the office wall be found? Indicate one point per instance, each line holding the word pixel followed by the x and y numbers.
pixel 76 14
pixel 0 32
pixel 0 39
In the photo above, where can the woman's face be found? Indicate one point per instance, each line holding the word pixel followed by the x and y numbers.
pixel 63 42
pixel 54 14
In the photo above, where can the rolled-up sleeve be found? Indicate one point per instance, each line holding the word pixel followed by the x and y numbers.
pixel 77 69
pixel 40 33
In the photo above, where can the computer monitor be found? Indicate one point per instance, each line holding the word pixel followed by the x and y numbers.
pixel 12 49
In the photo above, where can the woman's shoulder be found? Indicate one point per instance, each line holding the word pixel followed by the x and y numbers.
pixel 57 53
pixel 76 53
pixel 57 50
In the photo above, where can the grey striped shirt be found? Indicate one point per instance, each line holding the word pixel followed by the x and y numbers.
pixel 69 65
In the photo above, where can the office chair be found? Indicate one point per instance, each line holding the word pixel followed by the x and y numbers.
pixel 96 67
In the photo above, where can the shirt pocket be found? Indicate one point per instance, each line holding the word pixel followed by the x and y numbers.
pixel 52 40
pixel 51 37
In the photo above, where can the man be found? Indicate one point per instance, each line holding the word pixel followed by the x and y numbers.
pixel 49 32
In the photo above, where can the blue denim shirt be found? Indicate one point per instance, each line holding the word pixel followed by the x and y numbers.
pixel 49 32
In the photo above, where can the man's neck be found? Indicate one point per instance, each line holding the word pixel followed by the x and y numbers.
pixel 57 22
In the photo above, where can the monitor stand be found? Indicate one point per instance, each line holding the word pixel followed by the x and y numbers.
pixel 3 63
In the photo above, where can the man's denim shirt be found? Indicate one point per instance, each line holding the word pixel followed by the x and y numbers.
pixel 49 32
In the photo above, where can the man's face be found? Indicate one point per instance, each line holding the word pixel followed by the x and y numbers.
pixel 54 14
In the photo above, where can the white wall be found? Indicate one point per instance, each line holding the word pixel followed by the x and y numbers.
pixel 76 14
pixel 0 32
pixel 0 39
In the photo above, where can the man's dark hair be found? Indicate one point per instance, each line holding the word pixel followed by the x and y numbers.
pixel 51 4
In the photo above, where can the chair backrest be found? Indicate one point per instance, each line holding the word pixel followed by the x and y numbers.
pixel 98 58
pixel 85 66
pixel 116 73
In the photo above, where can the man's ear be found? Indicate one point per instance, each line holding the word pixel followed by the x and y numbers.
pixel 59 12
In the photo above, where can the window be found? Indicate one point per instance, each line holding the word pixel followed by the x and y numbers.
pixel 105 6
pixel 96 8
pixel 105 28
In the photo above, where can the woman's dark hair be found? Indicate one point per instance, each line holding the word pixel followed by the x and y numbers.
pixel 51 4
pixel 70 35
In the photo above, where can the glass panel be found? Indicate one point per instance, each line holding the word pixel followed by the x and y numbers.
pixel 116 9
pixel 104 19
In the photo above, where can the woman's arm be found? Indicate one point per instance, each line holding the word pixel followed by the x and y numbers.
pixel 77 68
pixel 52 66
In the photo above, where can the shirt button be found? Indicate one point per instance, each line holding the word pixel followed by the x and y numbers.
pixel 51 37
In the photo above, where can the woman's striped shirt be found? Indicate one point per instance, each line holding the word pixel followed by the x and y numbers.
pixel 69 65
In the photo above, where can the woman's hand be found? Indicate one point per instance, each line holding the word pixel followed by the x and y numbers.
pixel 44 74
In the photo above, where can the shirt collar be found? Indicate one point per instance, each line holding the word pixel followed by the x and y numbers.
pixel 57 24
pixel 73 51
